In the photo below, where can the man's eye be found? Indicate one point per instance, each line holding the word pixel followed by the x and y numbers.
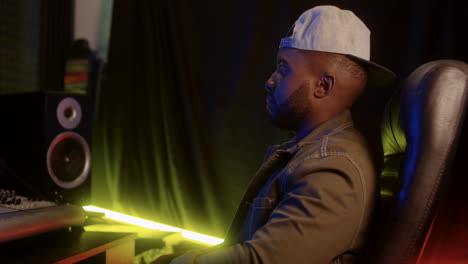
pixel 281 66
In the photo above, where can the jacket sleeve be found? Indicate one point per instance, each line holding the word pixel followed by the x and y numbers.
pixel 318 219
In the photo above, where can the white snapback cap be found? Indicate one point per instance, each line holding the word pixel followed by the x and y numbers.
pixel 330 29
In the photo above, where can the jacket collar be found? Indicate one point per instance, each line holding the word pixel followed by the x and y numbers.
pixel 330 127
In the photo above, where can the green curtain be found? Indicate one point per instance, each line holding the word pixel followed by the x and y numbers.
pixel 171 142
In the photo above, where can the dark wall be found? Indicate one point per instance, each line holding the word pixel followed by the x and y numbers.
pixel 34 35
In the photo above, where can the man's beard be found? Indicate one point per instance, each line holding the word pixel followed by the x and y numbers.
pixel 294 111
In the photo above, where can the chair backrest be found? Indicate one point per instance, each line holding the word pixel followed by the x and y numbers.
pixel 420 131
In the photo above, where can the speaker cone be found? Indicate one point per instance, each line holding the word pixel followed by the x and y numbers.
pixel 69 113
pixel 68 160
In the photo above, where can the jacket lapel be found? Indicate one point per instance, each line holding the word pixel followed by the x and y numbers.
pixel 276 161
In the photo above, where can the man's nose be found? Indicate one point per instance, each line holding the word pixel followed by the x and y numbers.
pixel 269 84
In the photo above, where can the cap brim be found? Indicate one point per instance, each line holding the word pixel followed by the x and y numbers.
pixel 377 75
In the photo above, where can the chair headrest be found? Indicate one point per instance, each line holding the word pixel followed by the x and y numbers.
pixel 423 115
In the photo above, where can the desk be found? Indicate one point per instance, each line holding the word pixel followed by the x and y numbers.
pixel 70 246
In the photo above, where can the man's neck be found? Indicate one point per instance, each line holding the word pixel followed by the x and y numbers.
pixel 305 129
pixel 310 124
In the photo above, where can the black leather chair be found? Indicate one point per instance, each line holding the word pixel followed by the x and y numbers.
pixel 420 131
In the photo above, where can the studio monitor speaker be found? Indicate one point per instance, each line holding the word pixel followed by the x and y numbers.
pixel 45 145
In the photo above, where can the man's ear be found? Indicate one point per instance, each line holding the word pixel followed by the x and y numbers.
pixel 325 84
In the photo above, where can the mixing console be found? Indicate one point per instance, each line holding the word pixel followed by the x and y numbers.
pixel 10 200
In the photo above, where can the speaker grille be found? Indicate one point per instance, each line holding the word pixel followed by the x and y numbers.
pixel 69 160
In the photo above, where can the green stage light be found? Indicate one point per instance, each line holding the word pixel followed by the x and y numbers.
pixel 153 225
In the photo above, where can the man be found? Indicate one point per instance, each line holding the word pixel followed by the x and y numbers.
pixel 311 200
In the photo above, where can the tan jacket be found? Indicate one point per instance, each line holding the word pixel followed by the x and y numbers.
pixel 309 203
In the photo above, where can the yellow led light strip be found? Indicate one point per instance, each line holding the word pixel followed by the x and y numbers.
pixel 202 238
pixel 153 225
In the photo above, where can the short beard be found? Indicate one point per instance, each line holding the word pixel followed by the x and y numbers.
pixel 296 108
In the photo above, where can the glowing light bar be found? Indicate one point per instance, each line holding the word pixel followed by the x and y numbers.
pixel 132 220
pixel 141 222
pixel 202 238
pixel 153 225
pixel 91 208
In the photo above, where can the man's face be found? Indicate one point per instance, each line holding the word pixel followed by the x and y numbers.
pixel 290 89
